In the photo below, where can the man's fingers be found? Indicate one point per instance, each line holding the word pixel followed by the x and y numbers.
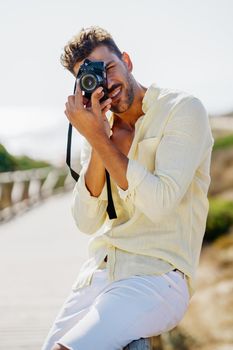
pixel 107 108
pixel 105 103
pixel 78 95
pixel 95 98
pixel 71 100
pixel 87 102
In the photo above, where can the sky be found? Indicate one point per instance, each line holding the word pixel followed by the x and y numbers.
pixel 182 44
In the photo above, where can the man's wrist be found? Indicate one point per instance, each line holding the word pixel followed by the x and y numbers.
pixel 95 155
pixel 98 140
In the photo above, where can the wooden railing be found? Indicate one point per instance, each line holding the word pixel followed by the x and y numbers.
pixel 19 190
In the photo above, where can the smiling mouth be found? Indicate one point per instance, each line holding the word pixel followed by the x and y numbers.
pixel 115 93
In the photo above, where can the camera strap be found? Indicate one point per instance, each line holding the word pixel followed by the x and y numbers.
pixel 110 207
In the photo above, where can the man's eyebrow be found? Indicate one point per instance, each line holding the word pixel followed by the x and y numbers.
pixel 110 62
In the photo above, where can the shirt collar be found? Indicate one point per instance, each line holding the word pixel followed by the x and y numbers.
pixel 150 97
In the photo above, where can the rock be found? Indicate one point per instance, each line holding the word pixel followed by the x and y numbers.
pixel 140 344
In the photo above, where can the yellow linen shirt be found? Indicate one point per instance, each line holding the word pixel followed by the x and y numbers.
pixel 161 217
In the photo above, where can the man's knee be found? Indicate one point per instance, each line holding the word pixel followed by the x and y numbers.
pixel 59 347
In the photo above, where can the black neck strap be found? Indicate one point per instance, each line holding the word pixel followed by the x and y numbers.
pixel 110 208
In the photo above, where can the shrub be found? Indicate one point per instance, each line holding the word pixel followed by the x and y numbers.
pixel 12 163
pixel 223 142
pixel 7 161
pixel 25 163
pixel 219 220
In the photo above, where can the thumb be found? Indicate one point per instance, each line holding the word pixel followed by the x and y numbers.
pixel 95 99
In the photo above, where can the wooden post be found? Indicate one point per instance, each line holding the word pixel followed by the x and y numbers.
pixel 25 194
pixel 6 190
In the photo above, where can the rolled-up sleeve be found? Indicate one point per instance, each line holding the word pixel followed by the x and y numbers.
pixel 89 212
pixel 186 138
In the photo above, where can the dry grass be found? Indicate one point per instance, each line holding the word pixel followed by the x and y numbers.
pixel 221 173
pixel 208 323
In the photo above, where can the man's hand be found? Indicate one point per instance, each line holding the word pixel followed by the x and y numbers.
pixel 90 121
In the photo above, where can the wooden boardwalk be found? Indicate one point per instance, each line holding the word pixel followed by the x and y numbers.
pixel 40 256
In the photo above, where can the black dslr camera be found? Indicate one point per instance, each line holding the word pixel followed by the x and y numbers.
pixel 92 75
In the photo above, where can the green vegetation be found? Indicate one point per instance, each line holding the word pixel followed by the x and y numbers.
pixel 9 162
pixel 25 163
pixel 220 219
pixel 223 142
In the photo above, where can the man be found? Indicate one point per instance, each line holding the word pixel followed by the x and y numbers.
pixel 156 146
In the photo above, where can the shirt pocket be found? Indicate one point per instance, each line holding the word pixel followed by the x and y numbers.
pixel 147 152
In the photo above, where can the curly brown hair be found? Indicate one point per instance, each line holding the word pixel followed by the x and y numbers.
pixel 82 44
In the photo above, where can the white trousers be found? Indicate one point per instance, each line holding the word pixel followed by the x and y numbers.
pixel 109 315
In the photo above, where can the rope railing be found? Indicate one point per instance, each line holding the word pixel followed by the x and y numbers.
pixel 21 189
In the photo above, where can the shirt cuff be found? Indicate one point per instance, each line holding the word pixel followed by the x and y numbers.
pixel 135 174
pixel 83 192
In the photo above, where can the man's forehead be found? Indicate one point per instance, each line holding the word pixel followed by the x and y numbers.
pixel 100 53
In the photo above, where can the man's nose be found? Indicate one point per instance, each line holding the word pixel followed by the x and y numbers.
pixel 109 83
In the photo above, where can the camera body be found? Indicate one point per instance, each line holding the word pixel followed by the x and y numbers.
pixel 91 75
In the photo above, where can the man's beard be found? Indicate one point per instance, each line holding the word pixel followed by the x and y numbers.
pixel 125 101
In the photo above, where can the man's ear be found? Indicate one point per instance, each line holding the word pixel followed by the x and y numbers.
pixel 127 61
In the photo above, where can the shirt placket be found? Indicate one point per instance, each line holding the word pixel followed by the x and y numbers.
pixel 111 261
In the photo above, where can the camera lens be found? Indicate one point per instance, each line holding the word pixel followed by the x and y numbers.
pixel 89 82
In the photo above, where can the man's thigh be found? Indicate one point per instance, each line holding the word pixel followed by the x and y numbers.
pixel 75 307
pixel 129 309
